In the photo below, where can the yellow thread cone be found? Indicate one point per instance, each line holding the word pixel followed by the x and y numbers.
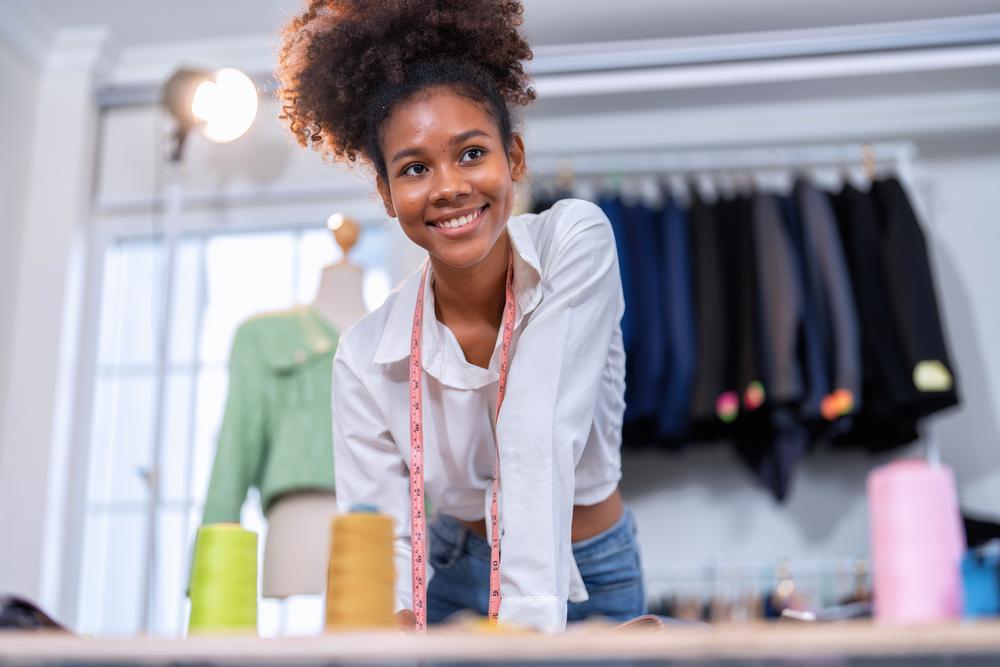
pixel 224 580
pixel 361 573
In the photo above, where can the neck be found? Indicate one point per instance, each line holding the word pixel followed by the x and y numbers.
pixel 474 294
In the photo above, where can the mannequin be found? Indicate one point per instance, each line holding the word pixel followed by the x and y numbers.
pixel 340 297
pixel 297 545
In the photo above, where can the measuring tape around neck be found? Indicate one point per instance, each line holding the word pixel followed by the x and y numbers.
pixel 417 519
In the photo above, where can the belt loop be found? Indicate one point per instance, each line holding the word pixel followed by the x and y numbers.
pixel 629 519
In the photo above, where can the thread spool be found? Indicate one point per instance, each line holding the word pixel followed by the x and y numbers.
pixel 361 574
pixel 224 581
pixel 917 543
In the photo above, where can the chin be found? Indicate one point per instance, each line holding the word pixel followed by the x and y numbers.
pixel 462 260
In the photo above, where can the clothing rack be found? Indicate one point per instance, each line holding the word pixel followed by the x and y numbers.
pixel 578 171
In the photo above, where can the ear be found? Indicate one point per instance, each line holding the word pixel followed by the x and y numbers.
pixel 386 194
pixel 516 159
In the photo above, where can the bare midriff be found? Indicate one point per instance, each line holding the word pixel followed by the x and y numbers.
pixel 588 520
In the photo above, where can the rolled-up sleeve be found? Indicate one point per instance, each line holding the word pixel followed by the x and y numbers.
pixel 369 468
pixel 548 413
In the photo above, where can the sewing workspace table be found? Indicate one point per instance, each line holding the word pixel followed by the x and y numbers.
pixel 853 644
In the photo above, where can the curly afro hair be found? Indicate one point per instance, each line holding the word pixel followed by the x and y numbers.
pixel 345 64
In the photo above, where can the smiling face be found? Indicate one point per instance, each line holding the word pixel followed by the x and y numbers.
pixel 450 182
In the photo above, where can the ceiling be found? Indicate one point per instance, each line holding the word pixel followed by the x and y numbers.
pixel 190 29
pixel 145 22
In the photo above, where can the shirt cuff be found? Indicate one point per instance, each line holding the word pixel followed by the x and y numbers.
pixel 404 594
pixel 545 614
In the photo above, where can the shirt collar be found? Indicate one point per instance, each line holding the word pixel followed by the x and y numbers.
pixel 394 344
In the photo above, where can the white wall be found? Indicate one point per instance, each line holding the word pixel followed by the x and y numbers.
pixel 35 468
pixel 962 201
pixel 17 121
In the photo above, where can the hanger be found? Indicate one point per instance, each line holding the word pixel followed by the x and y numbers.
pixel 725 184
pixel 615 180
pixel 565 176
pixel 650 192
pixel 585 189
pixel 868 161
pixel 704 186
pixel 745 181
pixel 677 189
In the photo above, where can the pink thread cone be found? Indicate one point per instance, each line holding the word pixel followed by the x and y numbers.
pixel 917 543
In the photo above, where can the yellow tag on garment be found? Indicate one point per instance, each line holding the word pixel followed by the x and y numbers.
pixel 931 375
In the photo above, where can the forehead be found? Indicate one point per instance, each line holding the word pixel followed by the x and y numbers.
pixel 435 115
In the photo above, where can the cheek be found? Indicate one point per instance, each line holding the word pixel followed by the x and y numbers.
pixel 411 232
pixel 410 204
pixel 408 200
pixel 495 181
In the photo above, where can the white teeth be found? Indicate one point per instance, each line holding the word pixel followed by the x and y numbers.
pixel 459 222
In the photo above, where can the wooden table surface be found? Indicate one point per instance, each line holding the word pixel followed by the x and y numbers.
pixel 853 643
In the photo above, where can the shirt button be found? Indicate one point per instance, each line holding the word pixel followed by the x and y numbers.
pixel 299 356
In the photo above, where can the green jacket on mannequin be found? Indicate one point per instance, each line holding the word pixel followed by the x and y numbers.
pixel 276 431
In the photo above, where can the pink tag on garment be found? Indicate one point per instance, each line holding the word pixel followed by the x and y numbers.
pixel 917 543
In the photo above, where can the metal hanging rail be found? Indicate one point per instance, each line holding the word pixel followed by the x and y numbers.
pixel 898 154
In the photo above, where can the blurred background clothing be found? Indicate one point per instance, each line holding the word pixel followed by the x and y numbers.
pixel 796 340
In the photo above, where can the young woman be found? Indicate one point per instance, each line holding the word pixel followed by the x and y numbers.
pixel 492 380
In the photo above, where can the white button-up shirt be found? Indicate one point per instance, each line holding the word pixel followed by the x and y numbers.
pixel 559 429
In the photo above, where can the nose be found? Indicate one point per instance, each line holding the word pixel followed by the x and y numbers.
pixel 450 184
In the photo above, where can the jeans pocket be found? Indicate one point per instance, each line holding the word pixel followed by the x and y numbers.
pixel 616 570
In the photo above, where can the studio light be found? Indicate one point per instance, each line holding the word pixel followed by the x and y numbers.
pixel 222 104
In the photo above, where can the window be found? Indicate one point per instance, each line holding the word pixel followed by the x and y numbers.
pixel 169 309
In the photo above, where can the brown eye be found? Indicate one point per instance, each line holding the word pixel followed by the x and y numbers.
pixel 472 154
pixel 415 169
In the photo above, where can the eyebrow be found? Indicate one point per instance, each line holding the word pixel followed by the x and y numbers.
pixel 455 140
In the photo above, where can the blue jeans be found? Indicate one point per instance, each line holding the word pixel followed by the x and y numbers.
pixel 609 564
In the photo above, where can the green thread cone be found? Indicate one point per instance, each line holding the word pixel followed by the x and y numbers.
pixel 224 580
